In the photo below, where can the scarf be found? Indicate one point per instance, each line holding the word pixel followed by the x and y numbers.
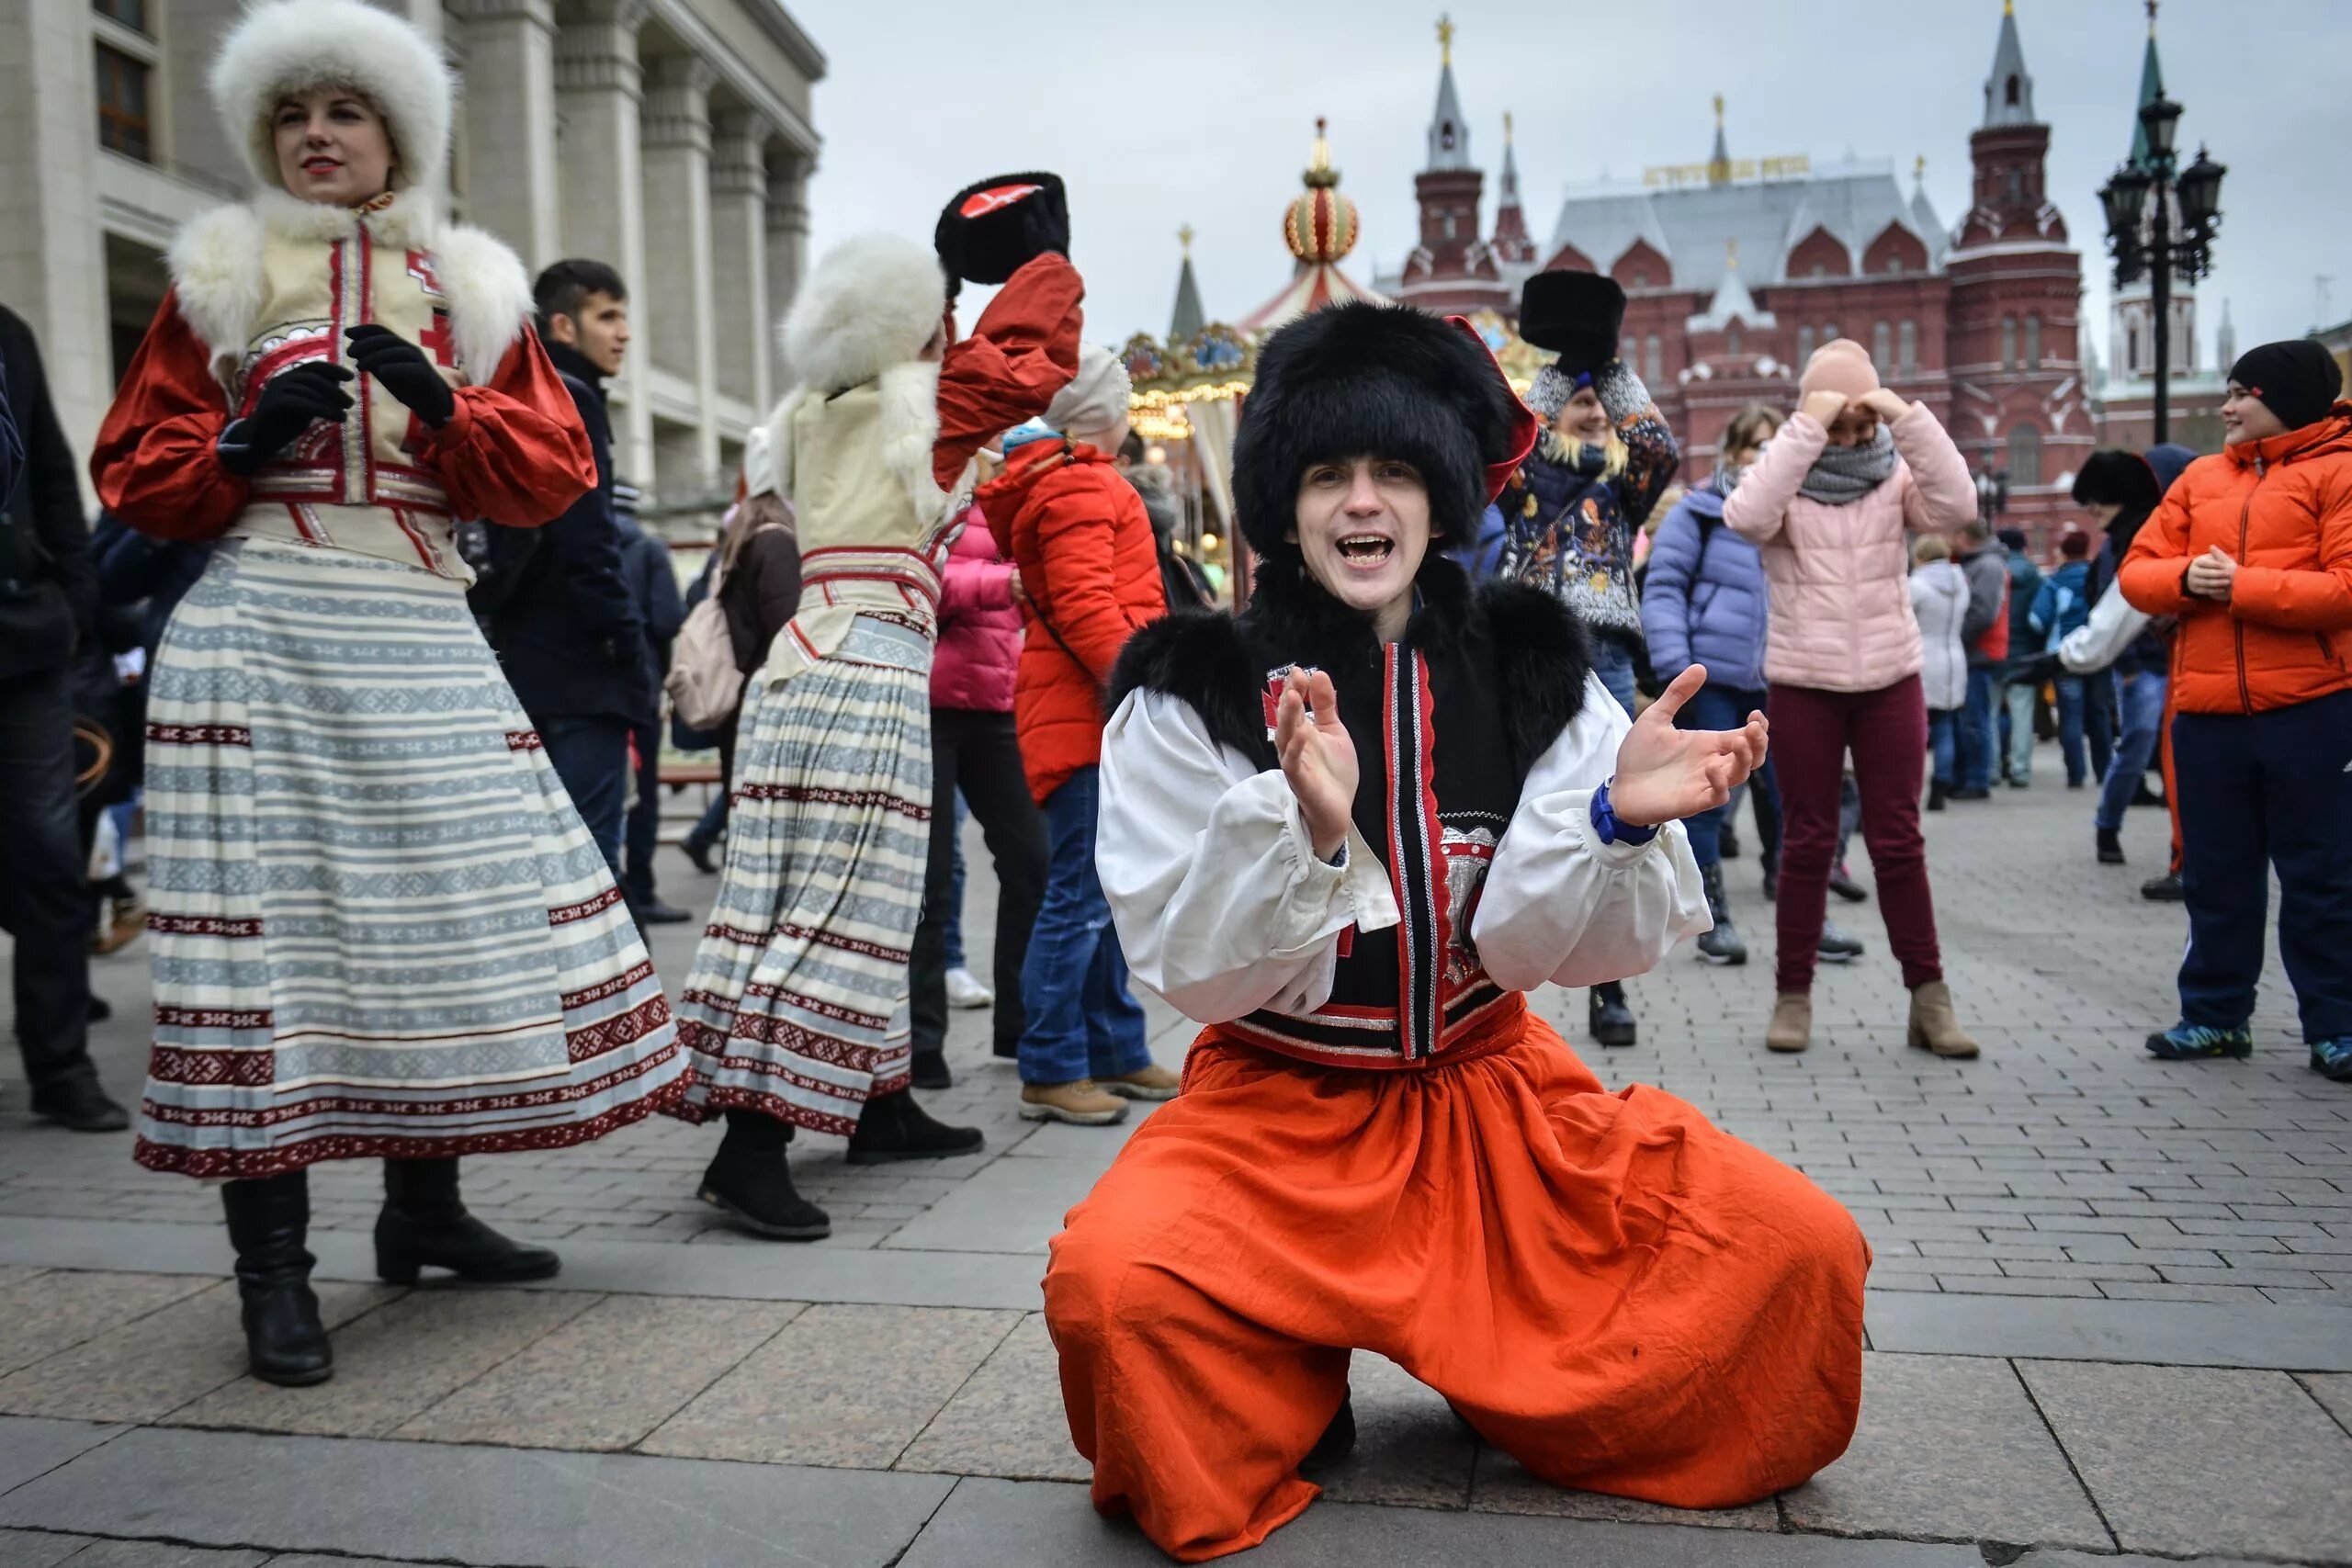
pixel 1843 475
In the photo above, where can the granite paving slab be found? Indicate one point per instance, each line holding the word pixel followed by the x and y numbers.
pixel 394 1363
pixel 1013 1205
pixel 1503 1485
pixel 161 1554
pixel 608 1377
pixel 144 1370
pixel 2333 1392
pixel 43 1312
pixel 840 1385
pixel 2189 1459
pixel 528 1510
pixel 1409 1448
pixel 30 1447
pixel 2163 1333
pixel 37 1548
pixel 1948 1448
pixel 1007 1420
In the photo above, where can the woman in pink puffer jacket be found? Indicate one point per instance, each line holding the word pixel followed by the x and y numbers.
pixel 973 748
pixel 1827 505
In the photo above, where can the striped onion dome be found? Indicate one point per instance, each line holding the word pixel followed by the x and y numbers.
pixel 1320 225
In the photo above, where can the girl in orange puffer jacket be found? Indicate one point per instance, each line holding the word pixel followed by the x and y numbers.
pixel 2252 549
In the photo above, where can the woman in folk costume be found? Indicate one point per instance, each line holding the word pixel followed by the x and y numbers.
pixel 1573 511
pixel 796 1011
pixel 1346 830
pixel 380 927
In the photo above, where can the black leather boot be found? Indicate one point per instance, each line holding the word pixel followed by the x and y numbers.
pixel 284 1341
pixel 1606 1014
pixel 894 1127
pixel 424 1224
pixel 751 1179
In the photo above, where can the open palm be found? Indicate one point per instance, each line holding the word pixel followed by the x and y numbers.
pixel 1665 775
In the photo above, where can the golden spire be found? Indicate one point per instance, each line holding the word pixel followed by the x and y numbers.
pixel 1184 238
pixel 1920 167
pixel 2009 8
pixel 1719 109
pixel 1731 255
pixel 1319 173
pixel 1506 127
pixel 2152 18
pixel 1445 39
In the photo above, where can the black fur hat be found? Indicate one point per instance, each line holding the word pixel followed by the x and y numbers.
pixel 991 228
pixel 1358 378
pixel 2112 477
pixel 1577 315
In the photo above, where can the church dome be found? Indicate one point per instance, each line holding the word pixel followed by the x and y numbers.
pixel 1321 226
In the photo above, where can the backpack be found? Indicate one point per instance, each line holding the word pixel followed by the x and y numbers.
pixel 704 684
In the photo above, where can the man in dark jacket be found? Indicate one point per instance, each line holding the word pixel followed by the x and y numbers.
pixel 561 616
pixel 653 584
pixel 1983 629
pixel 2021 682
pixel 48 608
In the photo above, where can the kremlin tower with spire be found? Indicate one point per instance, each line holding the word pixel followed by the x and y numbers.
pixel 1453 270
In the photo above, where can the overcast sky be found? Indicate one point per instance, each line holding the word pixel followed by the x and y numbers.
pixel 1202 113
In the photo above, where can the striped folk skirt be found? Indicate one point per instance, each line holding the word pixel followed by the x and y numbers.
pixel 379 927
pixel 797 1004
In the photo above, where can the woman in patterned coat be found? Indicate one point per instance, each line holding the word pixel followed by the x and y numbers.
pixel 380 928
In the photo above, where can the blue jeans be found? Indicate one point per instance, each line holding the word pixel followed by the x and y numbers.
pixel 1082 1022
pixel 1714 707
pixel 1977 729
pixel 1943 741
pixel 2016 726
pixel 952 933
pixel 2143 715
pixel 1614 662
pixel 590 757
pixel 2086 709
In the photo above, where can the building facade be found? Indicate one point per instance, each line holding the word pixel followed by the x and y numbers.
pixel 1736 270
pixel 670 138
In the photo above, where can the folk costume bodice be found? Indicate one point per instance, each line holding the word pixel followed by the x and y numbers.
pixel 260 290
pixel 1472 872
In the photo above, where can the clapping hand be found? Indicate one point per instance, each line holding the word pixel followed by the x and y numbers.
pixel 1318 759
pixel 1665 775
pixel 2211 575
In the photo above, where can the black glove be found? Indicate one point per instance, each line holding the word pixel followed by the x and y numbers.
pixel 404 371
pixel 289 405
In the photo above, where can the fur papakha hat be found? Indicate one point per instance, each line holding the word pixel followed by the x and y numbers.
pixel 289 47
pixel 872 301
pixel 1577 315
pixel 993 227
pixel 1388 380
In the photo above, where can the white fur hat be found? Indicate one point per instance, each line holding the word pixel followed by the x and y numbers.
pixel 286 47
pixel 871 303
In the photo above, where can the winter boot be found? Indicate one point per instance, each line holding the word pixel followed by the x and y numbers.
pixel 1937 790
pixel 2165 889
pixel 1771 876
pixel 285 1342
pixel 893 1127
pixel 931 1070
pixel 1836 947
pixel 1151 1081
pixel 1721 945
pixel 423 1223
pixel 751 1179
pixel 1934 1026
pixel 1606 1014
pixel 2110 847
pixel 1082 1103
pixel 1727 842
pixel 1338 1441
pixel 1792 1027
pixel 1842 882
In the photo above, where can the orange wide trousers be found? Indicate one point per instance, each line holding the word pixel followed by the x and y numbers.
pixel 1610 1290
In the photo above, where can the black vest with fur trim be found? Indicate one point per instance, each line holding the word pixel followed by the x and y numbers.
pixel 1447 722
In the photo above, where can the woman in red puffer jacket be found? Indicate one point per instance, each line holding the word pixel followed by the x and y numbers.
pixel 974 749
pixel 1089 575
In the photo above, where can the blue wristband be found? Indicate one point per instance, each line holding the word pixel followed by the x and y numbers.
pixel 1612 831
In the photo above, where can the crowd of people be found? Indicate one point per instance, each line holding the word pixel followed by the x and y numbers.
pixel 370 625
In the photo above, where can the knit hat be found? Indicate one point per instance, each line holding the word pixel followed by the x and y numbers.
pixel 991 228
pixel 2074 544
pixel 1841 365
pixel 1577 315
pixel 293 47
pixel 2112 477
pixel 2296 380
pixel 1358 378
pixel 2011 538
pixel 1096 398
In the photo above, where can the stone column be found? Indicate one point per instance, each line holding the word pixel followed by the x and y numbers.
pixel 787 247
pixel 598 85
pixel 738 225
pixel 509 109
pixel 676 294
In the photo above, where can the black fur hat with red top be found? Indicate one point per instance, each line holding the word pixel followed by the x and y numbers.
pixel 991 228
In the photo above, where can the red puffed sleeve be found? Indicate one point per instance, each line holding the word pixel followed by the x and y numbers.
pixel 515 451
pixel 155 464
pixel 1024 350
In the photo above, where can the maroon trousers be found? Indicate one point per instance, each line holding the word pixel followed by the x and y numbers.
pixel 1886 732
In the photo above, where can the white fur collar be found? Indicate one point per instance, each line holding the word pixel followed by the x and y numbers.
pixel 217 272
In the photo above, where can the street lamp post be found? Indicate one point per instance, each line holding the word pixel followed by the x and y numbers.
pixel 2144 200
pixel 1992 493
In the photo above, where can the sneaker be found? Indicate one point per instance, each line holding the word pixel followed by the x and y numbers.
pixel 2197 1041
pixel 1079 1102
pixel 1836 947
pixel 2165 889
pixel 1153 1082
pixel 965 991
pixel 2021 782
pixel 2331 1059
pixel 1842 882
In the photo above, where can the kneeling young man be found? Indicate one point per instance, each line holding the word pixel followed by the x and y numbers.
pixel 1348 830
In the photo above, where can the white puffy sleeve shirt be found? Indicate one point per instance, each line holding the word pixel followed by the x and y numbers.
pixel 1223 907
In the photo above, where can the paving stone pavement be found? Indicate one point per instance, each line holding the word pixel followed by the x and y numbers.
pixel 2179 1383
